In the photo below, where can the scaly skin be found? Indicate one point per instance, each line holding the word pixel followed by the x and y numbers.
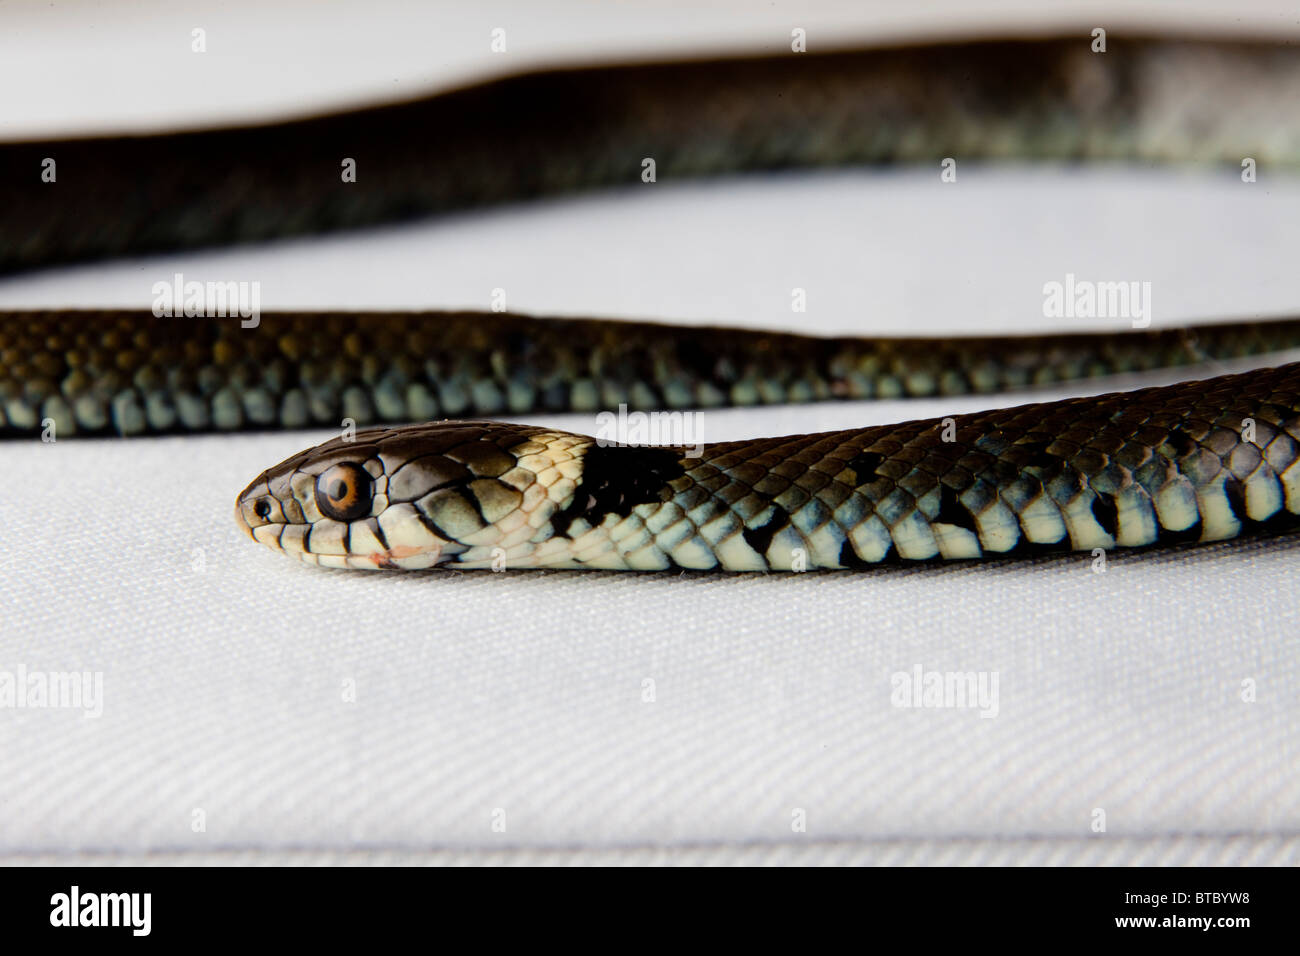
pixel 1194 462
pixel 129 373
pixel 1143 101
pixel 1131 470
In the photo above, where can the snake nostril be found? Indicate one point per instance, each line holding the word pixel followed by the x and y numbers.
pixel 262 509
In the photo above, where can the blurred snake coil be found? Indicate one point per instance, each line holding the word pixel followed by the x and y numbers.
pixel 1193 462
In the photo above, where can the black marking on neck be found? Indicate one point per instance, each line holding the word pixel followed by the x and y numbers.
pixel 760 539
pixel 864 467
pixel 953 512
pixel 1106 513
pixel 616 479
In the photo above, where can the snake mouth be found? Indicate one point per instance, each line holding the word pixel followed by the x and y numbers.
pixel 288 539
pixel 393 559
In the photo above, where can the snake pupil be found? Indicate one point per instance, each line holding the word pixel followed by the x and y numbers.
pixel 340 490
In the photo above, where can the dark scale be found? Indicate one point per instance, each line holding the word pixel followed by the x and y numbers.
pixel 1106 513
pixel 760 539
pixel 953 512
pixel 616 479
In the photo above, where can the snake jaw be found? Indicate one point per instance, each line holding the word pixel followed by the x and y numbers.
pixel 388 560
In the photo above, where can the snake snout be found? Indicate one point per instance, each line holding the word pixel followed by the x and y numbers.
pixel 263 513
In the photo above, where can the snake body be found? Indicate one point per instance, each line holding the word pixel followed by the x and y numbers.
pixel 1144 100
pixel 131 373
pixel 1195 462
pixel 1200 461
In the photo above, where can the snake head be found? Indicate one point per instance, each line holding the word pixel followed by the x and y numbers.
pixel 329 506
pixel 390 499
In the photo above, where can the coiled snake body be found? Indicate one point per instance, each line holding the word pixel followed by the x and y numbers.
pixel 1199 461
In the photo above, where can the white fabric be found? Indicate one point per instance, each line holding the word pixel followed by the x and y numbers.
pixel 1021 851
pixel 520 697
pixel 223 687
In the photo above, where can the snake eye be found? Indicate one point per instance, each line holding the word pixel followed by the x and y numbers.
pixel 262 509
pixel 344 492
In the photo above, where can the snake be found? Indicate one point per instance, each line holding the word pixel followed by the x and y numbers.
pixel 425 474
